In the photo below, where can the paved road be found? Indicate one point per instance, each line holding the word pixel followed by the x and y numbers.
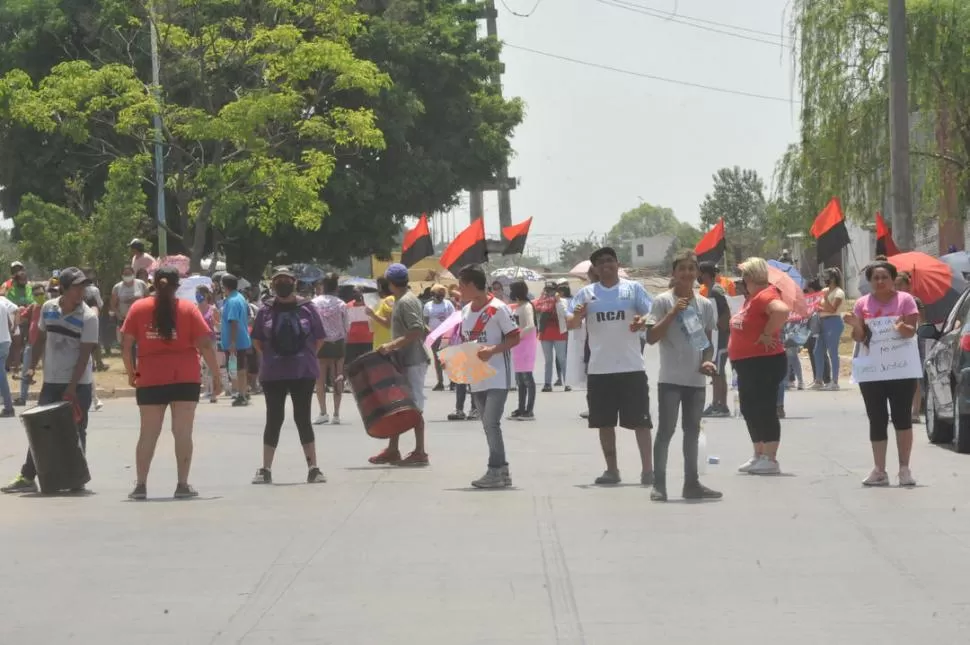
pixel 381 555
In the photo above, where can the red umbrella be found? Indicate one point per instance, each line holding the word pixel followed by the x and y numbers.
pixel 933 281
pixel 791 293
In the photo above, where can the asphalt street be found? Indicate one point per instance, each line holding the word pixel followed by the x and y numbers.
pixel 383 555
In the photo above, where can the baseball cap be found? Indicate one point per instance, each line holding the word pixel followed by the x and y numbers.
pixel 397 274
pixel 708 268
pixel 606 251
pixel 17 265
pixel 71 277
pixel 283 272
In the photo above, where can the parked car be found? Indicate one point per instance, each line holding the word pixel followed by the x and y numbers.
pixel 947 367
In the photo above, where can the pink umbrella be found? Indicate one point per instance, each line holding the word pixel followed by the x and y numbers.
pixel 180 262
pixel 791 293
pixel 581 269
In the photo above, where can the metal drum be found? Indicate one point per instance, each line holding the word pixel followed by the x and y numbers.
pixel 56 447
pixel 383 396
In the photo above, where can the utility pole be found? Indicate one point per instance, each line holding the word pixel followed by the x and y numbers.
pixel 159 156
pixel 502 183
pixel 902 192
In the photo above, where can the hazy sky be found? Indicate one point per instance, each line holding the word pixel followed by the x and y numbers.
pixel 596 143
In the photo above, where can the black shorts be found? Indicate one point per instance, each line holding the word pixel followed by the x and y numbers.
pixel 334 350
pixel 165 394
pixel 624 396
pixel 244 357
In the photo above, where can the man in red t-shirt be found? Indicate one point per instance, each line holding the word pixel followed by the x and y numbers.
pixel 553 335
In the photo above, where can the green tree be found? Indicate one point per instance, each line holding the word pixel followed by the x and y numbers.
pixel 573 252
pixel 842 64
pixel 646 220
pixel 738 198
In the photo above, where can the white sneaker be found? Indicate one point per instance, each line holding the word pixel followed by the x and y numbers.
pixel 816 386
pixel 335 421
pixel 323 419
pixel 831 387
pixel 877 478
pixel 746 466
pixel 765 466
pixel 98 405
pixel 494 478
pixel 905 477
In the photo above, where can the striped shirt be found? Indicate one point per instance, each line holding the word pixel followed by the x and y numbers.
pixel 66 331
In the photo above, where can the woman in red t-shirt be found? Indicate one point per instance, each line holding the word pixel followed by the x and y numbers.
pixel 170 334
pixel 759 360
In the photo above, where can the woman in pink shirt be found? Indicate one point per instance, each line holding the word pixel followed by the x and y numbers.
pixel 884 301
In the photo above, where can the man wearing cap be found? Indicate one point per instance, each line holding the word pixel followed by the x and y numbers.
pixel 18 291
pixel 236 341
pixel 139 259
pixel 707 277
pixel 67 335
pixel 615 311
pixel 407 344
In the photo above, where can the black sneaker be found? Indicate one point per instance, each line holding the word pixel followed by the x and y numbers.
pixel 567 389
pixel 457 415
pixel 547 388
pixel 515 415
pixel 6 413
pixel 559 383
pixel 139 492
pixel 527 416
pixel 699 491
pixel 440 387
pixel 316 476
pixel 263 476
pixel 240 402
pixel 185 491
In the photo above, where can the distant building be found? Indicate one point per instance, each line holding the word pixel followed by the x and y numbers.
pixel 651 252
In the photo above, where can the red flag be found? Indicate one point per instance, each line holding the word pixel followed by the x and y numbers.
pixel 884 238
pixel 829 231
pixel 711 246
pixel 515 237
pixel 468 248
pixel 417 243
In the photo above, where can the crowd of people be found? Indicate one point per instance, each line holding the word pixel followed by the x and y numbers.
pixel 294 341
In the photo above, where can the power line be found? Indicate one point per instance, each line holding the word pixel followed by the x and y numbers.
pixel 652 77
pixel 521 15
pixel 698 23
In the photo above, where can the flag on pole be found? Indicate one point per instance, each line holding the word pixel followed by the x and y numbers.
pixel 884 238
pixel 417 243
pixel 515 237
pixel 711 246
pixel 829 231
pixel 468 248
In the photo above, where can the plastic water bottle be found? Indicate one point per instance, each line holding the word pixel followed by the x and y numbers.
pixel 737 404
pixel 231 366
pixel 702 452
pixel 694 328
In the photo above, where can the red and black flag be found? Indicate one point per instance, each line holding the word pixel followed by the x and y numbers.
pixel 468 248
pixel 884 238
pixel 829 231
pixel 515 237
pixel 711 246
pixel 417 243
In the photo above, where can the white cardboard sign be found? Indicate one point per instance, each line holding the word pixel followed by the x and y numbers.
pixel 889 356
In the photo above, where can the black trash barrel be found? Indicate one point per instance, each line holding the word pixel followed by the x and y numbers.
pixel 56 447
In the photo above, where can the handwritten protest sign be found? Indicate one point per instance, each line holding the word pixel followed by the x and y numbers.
pixel 889 356
pixel 463 365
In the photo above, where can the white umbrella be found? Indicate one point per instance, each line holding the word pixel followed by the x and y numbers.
pixel 581 269
pixel 517 273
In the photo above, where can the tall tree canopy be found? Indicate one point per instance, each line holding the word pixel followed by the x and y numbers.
pixel 297 125
pixel 842 64
pixel 738 198
pixel 647 220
